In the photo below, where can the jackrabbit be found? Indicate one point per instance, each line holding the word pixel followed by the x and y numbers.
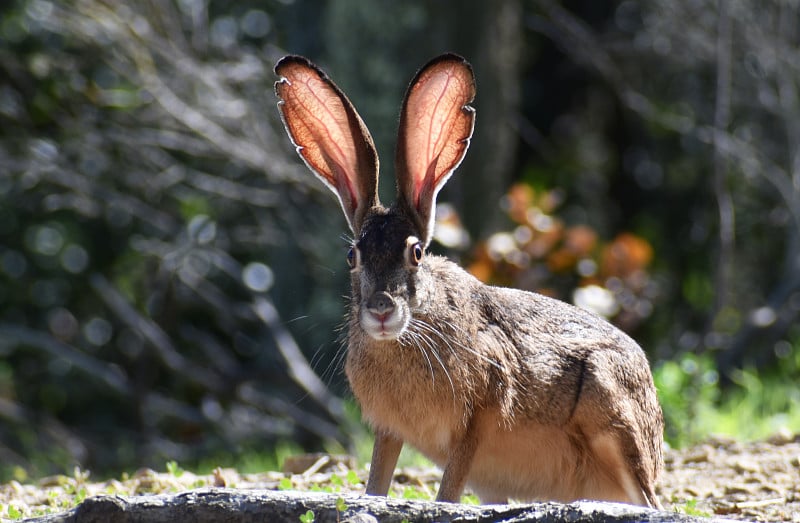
pixel 515 394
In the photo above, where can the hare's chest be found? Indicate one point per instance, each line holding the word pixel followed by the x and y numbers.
pixel 421 407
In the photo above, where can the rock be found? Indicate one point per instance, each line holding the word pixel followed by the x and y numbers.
pixel 782 437
pixel 243 506
pixel 701 454
pixel 738 489
pixel 743 465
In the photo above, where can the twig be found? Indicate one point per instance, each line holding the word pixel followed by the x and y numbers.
pixel 154 334
pixel 299 369
pixel 250 395
pixel 316 466
pixel 759 503
pixel 112 376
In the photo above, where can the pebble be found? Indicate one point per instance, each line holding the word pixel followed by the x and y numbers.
pixel 738 489
pixel 701 454
pixel 782 437
pixel 692 491
pixel 743 465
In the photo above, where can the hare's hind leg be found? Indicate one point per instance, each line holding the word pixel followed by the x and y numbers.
pixel 613 479
pixel 619 423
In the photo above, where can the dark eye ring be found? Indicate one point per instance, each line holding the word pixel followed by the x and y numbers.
pixel 416 253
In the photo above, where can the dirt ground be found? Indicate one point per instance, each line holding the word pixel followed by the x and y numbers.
pixel 744 481
pixel 747 481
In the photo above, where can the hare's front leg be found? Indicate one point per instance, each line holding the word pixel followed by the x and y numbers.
pixel 459 463
pixel 384 458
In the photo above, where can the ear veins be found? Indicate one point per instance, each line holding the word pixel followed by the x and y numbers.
pixel 435 120
pixel 299 118
pixel 436 125
pixel 438 104
pixel 440 125
pixel 425 190
pixel 341 182
pixel 329 135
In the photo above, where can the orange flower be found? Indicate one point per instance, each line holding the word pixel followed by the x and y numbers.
pixel 626 255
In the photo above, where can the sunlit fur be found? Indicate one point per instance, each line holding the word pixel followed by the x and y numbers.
pixel 515 394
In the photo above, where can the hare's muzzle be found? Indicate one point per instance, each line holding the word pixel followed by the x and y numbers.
pixel 381 317
pixel 380 304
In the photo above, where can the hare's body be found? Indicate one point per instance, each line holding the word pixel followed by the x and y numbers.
pixel 447 375
pixel 516 394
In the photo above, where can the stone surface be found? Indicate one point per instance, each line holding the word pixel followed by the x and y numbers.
pixel 237 505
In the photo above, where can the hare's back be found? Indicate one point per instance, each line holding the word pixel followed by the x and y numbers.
pixel 540 317
pixel 568 355
pixel 516 320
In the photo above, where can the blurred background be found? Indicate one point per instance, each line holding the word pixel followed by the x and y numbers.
pixel 173 281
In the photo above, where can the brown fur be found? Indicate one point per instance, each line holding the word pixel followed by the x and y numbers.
pixel 563 402
pixel 518 395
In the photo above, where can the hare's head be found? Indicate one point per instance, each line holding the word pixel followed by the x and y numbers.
pixel 389 244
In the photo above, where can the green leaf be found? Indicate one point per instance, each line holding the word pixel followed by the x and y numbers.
pixel 336 480
pixel 285 484
pixel 470 499
pixel 308 517
pixel 412 492
pixel 14 512
pixel 690 508
pixel 174 469
pixel 352 478
pixel 80 495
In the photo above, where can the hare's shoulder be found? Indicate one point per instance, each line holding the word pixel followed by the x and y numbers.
pixel 525 313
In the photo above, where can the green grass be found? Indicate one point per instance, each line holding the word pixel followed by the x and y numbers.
pixel 754 407
pixel 250 461
pixel 690 509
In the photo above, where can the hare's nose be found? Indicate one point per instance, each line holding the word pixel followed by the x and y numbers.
pixel 380 303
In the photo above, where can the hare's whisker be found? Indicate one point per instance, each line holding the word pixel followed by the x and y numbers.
pixel 430 343
pixel 450 340
pixel 412 338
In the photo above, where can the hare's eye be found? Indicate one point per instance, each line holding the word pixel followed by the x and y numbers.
pixel 351 257
pixel 416 254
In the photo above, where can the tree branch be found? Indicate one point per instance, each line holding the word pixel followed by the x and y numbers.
pixel 722 110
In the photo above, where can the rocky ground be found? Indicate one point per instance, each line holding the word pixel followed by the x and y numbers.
pixel 747 481
pixel 744 481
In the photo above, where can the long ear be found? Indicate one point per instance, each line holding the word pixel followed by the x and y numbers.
pixel 436 125
pixel 329 135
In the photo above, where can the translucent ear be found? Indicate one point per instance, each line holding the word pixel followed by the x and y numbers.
pixel 329 135
pixel 436 125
